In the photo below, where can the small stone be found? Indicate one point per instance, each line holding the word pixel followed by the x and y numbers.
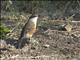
pixel 46 46
pixel 3 44
pixel 68 27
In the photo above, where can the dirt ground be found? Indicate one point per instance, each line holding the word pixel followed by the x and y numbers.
pixel 46 44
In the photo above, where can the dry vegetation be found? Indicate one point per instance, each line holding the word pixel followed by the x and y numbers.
pixel 48 43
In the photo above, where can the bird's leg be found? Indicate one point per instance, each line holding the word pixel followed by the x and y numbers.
pixel 31 40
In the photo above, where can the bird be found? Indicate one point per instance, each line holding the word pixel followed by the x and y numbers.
pixel 28 30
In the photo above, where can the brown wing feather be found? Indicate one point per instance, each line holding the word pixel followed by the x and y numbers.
pixel 29 28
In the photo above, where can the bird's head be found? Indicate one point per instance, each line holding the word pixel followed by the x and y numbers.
pixel 33 18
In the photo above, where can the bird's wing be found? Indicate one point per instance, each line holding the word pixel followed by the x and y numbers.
pixel 29 27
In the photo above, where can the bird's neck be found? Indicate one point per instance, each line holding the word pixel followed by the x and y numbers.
pixel 34 20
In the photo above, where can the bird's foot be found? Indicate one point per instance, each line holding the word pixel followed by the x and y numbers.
pixel 32 40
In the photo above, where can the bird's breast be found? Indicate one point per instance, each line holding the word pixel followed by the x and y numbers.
pixel 34 20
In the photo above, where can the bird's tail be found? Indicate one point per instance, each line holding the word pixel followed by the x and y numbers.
pixel 21 43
